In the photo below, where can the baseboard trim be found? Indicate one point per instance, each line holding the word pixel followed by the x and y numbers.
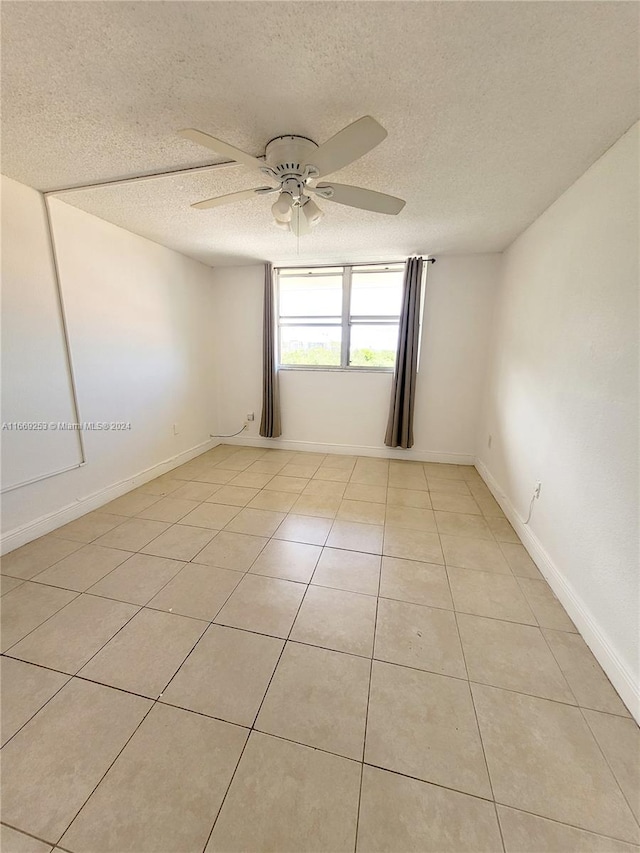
pixel 353 450
pixel 46 523
pixel 619 675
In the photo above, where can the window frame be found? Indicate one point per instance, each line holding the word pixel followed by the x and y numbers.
pixel 344 322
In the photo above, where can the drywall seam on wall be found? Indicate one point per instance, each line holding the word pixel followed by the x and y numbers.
pixel 69 361
pixel 355 450
pixel 49 278
pixel 65 326
pixel 46 523
pixel 622 679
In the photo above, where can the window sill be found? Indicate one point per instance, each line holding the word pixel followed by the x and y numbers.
pixel 321 368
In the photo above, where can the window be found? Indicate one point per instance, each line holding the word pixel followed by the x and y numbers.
pixel 339 317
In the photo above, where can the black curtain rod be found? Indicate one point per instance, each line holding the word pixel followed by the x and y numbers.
pixel 278 267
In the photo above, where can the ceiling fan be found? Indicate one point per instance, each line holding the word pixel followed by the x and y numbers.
pixel 296 165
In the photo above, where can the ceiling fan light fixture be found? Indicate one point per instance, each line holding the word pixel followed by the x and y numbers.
pixel 312 212
pixel 281 208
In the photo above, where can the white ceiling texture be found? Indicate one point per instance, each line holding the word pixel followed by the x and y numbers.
pixel 492 109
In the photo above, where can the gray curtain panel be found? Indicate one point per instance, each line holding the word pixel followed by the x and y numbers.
pixel 270 420
pixel 403 390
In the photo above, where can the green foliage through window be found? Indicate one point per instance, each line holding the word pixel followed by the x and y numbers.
pixel 326 356
pixel 373 358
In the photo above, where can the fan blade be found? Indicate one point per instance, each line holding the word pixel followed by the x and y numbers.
pixel 299 225
pixel 221 147
pixel 226 199
pixel 364 199
pixel 348 145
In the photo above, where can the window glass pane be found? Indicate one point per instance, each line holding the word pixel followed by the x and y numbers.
pixel 373 346
pixel 305 321
pixel 311 345
pixel 376 293
pixel 310 296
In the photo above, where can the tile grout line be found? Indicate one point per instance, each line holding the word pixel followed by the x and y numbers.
pixel 81 591
pixel 313 748
pixel 80 545
pixel 575 633
pixel 157 592
pixel 551 652
pixel 28 834
pixel 24 636
pixel 120 751
pixel 632 844
pixel 366 716
pixel 42 706
pixel 195 645
pixel 331 547
pixel 475 714
pixel 55 532
pixel 252 728
pixel 133 615
pixel 609 765
pixel 509 574
pixel 324 648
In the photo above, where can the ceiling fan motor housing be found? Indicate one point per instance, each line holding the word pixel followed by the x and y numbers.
pixel 288 156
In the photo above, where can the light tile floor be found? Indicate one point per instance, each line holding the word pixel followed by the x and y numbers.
pixel 274 651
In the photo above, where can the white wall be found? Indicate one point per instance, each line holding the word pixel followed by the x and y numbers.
pixel 347 409
pixel 140 327
pixel 562 402
pixel 36 378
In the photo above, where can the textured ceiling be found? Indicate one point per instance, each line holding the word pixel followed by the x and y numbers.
pixel 493 109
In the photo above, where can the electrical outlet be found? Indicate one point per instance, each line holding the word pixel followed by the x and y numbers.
pixel 176 429
pixel 538 489
pixel 489 440
pixel 250 416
